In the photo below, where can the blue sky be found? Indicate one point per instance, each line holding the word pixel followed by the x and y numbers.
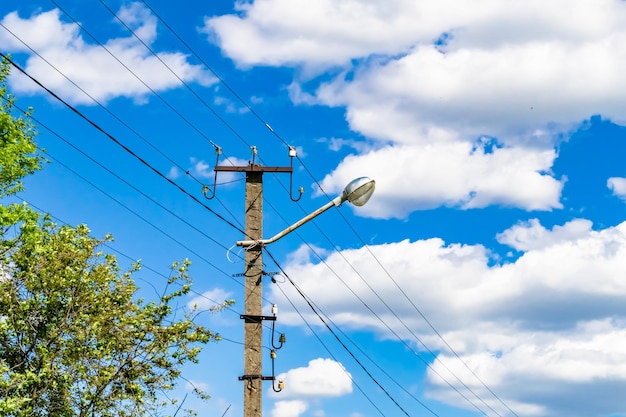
pixel 486 274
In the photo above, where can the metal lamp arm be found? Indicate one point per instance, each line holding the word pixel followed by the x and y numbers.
pixel 336 202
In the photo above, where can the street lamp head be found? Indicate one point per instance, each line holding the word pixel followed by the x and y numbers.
pixel 359 191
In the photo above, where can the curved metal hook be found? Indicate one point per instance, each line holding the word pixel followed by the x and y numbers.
pixel 292 154
pixel 281 384
pixel 281 339
pixel 205 188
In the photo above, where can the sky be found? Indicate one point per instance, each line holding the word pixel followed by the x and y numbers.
pixel 486 274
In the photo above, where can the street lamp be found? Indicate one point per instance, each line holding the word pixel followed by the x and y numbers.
pixel 357 192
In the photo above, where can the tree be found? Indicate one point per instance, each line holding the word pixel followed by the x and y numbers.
pixel 74 338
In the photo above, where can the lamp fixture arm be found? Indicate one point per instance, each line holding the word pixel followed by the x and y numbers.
pixel 336 202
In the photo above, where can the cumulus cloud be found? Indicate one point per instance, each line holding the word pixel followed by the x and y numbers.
pixel 320 378
pixel 532 235
pixel 432 77
pixel 618 186
pixel 549 325
pixel 210 299
pixel 454 174
pixel 293 408
pixel 91 67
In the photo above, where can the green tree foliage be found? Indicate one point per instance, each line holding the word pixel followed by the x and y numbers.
pixel 74 338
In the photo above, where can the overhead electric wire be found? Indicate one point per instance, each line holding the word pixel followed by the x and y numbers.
pixel 143 266
pixel 116 117
pixel 215 113
pixel 277 135
pixel 210 68
pixel 120 144
pixel 108 135
pixel 122 122
pixel 343 345
pixel 178 113
pixel 319 339
pixel 267 125
pixel 321 189
pixel 394 333
pixel 432 327
pixel 139 191
pixel 330 320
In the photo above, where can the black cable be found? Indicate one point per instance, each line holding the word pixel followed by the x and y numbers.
pixel 284 273
pixel 116 117
pixel 310 174
pixel 143 266
pixel 432 327
pixel 392 331
pixel 188 172
pixel 220 118
pixel 312 330
pixel 117 142
pixel 179 114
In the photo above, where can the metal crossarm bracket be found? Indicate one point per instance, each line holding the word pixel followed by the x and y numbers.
pixel 261 377
pixel 249 318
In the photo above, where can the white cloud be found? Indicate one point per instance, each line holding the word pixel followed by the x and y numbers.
pixel 293 408
pixel 209 299
pixel 430 77
pixel 192 385
pixel 547 327
pixel 321 378
pixel 532 235
pixel 326 32
pixel 199 168
pixel 173 173
pixel 454 174
pixel 618 186
pixel 90 66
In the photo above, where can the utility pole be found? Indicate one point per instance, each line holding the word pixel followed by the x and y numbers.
pixel 357 192
pixel 253 274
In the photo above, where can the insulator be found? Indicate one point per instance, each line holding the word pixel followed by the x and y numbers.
pixel 281 385
pixel 282 338
pixel 274 309
pixel 292 152
pixel 273 354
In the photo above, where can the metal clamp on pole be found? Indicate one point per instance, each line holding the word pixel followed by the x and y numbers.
pixel 249 318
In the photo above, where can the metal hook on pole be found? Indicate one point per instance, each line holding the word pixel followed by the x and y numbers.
pixel 292 154
pixel 205 188
pixel 281 384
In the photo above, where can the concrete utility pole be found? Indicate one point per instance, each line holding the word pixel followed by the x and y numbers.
pixel 253 273
pixel 356 192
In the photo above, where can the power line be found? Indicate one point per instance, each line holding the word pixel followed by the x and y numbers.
pixel 220 118
pixel 116 117
pixel 143 266
pixel 284 273
pixel 120 144
pixel 139 191
pixel 188 172
pixel 179 114
pixel 432 327
pixel 319 339
pixel 390 329
pixel 268 126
